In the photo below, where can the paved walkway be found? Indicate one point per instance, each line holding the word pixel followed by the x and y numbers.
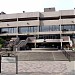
pixel 39 68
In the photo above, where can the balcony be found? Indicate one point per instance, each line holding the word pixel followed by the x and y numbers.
pixel 66 12
pixel 19 15
pixel 20 23
pixel 66 21
pixel 50 22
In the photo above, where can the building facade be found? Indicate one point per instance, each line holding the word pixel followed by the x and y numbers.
pixel 48 29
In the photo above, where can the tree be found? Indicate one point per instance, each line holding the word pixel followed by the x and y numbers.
pixel 1 42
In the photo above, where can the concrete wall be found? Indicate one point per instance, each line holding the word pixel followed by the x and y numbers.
pixel 50 22
pixel 66 12
pixel 66 21
pixel 50 14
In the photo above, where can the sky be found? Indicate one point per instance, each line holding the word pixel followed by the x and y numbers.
pixel 18 6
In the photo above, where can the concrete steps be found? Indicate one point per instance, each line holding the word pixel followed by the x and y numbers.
pixel 41 56
pixel 59 56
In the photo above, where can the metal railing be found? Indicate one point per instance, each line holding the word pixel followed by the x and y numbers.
pixel 24 42
pixel 68 55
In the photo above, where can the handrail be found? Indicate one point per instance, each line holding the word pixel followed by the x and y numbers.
pixel 28 38
pixel 68 55
pixel 21 42
pixel 24 42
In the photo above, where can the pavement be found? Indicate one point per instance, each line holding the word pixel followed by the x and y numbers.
pixel 39 68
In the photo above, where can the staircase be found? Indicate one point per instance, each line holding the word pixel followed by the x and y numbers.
pixel 12 42
pixel 23 42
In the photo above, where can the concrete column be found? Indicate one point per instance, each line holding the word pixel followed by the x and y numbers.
pixel 38 25
pixel 17 28
pixel 16 48
pixel 60 28
pixel 35 43
pixel 61 45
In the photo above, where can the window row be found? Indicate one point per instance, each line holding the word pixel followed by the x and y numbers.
pixel 50 28
pixel 57 28
pixel 51 36
pixel 36 29
pixel 28 29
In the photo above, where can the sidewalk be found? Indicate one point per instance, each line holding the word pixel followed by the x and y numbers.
pixel 39 68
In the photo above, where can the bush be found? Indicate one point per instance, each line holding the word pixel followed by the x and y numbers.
pixel 1 42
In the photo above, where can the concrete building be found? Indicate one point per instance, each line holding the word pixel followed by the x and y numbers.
pixel 48 29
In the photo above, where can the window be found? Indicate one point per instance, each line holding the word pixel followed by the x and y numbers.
pixel 9 30
pixel 35 29
pixel 4 30
pixel 49 28
pixel 28 29
pixel 23 29
pixel 68 27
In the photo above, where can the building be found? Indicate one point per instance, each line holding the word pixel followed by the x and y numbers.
pixel 48 29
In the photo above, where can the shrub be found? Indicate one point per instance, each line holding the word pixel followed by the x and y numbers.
pixel 1 42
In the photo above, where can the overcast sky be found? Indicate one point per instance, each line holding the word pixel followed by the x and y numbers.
pixel 17 6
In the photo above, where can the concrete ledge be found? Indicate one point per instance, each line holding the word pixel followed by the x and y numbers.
pixel 44 48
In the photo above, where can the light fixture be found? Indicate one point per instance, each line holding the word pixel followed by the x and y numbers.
pixel 27 23
pixel 72 21
pixel 7 24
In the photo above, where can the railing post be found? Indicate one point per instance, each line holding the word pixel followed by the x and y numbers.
pixel 0 63
pixel 69 59
pixel 16 64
